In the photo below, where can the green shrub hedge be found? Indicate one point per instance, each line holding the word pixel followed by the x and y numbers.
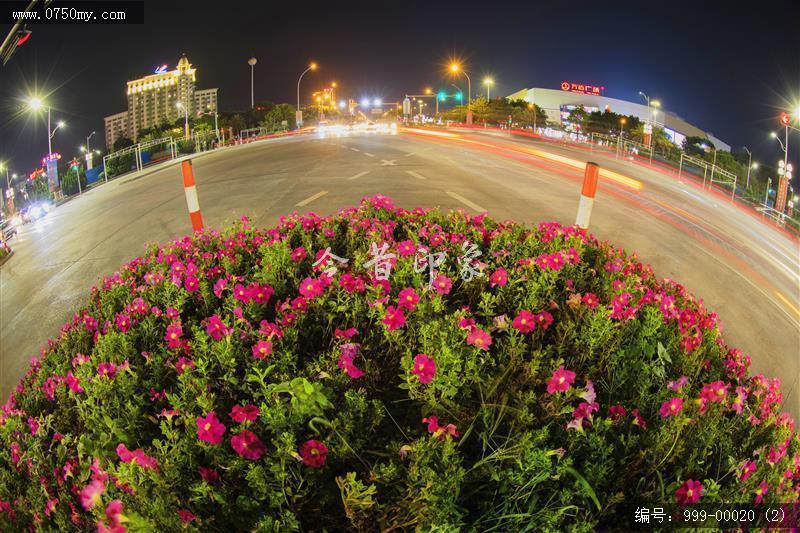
pixel 501 378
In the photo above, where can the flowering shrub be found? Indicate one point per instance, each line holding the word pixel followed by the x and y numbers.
pixel 384 368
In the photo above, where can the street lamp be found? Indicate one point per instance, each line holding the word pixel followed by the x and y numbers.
pixel 298 112
pixel 252 62
pixel 455 68
pixel 488 82
pixel 35 103
pixel 750 164
pixel 180 105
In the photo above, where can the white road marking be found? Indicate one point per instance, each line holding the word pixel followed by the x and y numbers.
pixel 409 154
pixel 369 154
pixel 358 175
pixel 416 175
pixel 388 162
pixel 355 149
pixel 311 199
pixel 466 202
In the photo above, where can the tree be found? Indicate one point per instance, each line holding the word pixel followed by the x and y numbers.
pixel 122 142
pixel 696 146
pixel 275 117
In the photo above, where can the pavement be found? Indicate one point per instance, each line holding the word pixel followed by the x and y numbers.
pixel 744 269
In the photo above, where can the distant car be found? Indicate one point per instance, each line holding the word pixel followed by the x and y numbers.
pixel 7 229
pixel 34 212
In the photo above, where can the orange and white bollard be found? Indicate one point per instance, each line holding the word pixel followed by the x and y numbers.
pixel 191 195
pixel 588 192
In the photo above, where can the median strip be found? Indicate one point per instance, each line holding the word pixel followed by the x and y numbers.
pixel 311 199
pixel 466 202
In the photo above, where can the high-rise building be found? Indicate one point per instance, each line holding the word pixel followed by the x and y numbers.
pixel 162 97
pixel 205 101
pixel 116 127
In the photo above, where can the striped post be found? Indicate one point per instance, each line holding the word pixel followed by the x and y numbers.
pixel 191 195
pixel 588 192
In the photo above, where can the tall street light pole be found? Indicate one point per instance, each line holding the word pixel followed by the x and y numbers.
pixel 298 112
pixel 252 62
pixel 749 164
pixel 180 105
pixel 488 82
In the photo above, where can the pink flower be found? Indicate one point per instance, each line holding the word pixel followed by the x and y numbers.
pixel 544 319
pixel 671 407
pixel 313 453
pixel 616 412
pixel 394 318
pixel 114 512
pixel 438 431
pixel 219 286
pixel 108 370
pixel 216 328
pixel 248 445
pixel 137 457
pixel 262 348
pixel 348 333
pixel 479 338
pixel 298 254
pixel 738 402
pixel 638 420
pixel 407 299
pixel 241 293
pixel 73 383
pixel 589 394
pixel 498 278
pixel 183 364
pixel 405 248
pixel 678 384
pixel 209 475
pixel 748 469
pixel 191 284
pixel 248 412
pixel 442 284
pixel 689 493
pixel 590 300
pixel 209 429
pixel 91 494
pixel 186 516
pixel 714 392
pixel 311 288
pixel 424 367
pixel 123 322
pixel 560 381
pixel 525 321
pixel 173 336
pixel 349 352
pixel 762 489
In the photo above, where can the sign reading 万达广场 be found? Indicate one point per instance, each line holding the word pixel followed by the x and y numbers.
pixel 582 88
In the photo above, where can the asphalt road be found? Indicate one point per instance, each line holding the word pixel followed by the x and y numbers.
pixel 745 270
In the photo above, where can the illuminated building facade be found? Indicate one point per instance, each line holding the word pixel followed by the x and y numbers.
pixel 558 104
pixel 116 127
pixel 159 98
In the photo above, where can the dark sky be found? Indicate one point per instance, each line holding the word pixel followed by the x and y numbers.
pixel 725 67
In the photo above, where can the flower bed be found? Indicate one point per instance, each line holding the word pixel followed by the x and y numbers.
pixel 252 380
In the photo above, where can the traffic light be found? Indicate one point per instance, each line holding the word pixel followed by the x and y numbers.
pixel 18 40
pixel 442 96
pixel 458 96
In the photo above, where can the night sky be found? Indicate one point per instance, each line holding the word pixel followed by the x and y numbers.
pixel 728 69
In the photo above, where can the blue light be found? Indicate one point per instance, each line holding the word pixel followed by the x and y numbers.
pixel 377 102
pixel 365 102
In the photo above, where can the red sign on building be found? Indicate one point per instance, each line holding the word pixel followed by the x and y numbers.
pixel 582 88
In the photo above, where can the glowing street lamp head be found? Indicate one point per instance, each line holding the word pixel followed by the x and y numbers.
pixel 488 81
pixel 655 103
pixel 454 67
pixel 365 102
pixel 333 84
pixel 83 149
pixel 61 124
pixel 35 103
pixel 428 90
pixel 773 135
pixel 377 102
pixel 313 65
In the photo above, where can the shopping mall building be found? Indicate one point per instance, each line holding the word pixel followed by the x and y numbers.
pixel 558 104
